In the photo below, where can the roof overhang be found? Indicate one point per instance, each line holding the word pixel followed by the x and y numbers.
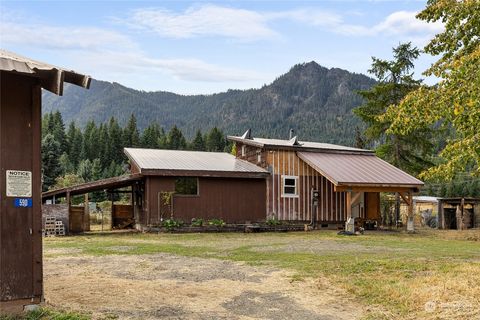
pixel 295 146
pixel 204 173
pixel 99 185
pixel 360 172
pixel 51 77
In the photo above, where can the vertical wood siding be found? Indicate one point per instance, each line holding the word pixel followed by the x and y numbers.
pixel 331 206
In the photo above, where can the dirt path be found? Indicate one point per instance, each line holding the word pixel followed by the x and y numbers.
pixel 164 286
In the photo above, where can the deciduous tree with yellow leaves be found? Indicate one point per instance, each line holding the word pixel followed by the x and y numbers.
pixel 455 101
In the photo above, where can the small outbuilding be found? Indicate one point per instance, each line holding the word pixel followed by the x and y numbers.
pixel 21 82
pixel 458 213
pixel 192 184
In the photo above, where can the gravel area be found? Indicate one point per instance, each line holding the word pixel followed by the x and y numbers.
pixel 165 286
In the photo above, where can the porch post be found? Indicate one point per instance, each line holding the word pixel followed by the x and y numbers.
pixel 349 204
pixel 411 220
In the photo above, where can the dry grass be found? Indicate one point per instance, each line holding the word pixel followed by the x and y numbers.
pixel 429 275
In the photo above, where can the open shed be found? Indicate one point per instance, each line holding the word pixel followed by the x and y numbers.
pixel 21 81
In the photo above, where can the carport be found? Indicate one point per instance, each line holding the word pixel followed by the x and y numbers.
pixel 122 215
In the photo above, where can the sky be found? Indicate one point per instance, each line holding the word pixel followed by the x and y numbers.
pixel 204 47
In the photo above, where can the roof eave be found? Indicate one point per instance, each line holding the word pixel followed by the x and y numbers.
pixel 204 173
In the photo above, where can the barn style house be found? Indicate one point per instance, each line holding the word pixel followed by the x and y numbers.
pixel 289 180
pixel 348 181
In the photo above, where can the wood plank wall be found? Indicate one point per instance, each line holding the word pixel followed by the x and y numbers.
pixel 282 162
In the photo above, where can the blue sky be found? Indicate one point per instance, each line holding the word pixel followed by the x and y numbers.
pixel 206 47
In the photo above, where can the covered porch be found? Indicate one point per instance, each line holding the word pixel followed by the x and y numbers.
pixel 362 177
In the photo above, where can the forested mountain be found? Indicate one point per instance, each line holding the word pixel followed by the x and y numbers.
pixel 315 101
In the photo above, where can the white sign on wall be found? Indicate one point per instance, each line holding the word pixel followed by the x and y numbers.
pixel 19 183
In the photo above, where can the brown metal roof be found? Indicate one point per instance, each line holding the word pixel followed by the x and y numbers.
pixel 99 185
pixel 358 170
pixel 51 77
pixel 295 144
pixel 191 163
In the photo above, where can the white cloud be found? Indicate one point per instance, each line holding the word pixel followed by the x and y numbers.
pixel 84 38
pixel 248 25
pixel 206 20
pixel 397 23
pixel 181 69
pixel 101 51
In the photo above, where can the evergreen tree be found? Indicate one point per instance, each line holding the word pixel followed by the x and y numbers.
pixel 66 166
pixel 103 145
pixel 85 170
pixel 359 140
pixel 90 141
pixel 58 130
pixel 114 143
pixel 50 161
pixel 176 140
pixel 150 136
pixel 131 136
pixel 198 144
pixel 75 144
pixel 442 193
pixel 407 152
pixel 454 102
pixel 96 169
pixel 215 140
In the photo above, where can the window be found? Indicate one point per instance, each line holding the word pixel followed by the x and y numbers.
pixel 289 186
pixel 186 186
pixel 259 155
pixel 244 150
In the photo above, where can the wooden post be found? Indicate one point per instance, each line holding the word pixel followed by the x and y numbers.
pixel 349 204
pixel 67 199
pixel 411 218
pixel 86 213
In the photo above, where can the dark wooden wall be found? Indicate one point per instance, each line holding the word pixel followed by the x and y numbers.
pixel 235 200
pixel 20 228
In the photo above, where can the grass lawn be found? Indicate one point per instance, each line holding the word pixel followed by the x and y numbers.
pixel 431 274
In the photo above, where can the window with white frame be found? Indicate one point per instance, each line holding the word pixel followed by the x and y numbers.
pixel 289 186
pixel 244 150
pixel 259 155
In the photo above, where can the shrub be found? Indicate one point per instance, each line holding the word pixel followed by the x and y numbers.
pixel 216 222
pixel 271 221
pixel 171 224
pixel 197 222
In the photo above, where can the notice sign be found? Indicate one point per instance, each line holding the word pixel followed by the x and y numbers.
pixel 19 183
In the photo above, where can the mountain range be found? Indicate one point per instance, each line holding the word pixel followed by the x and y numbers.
pixel 315 101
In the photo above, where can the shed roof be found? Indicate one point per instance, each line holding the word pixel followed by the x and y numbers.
pixel 51 77
pixel 191 163
pixel 295 144
pixel 358 170
pixel 104 184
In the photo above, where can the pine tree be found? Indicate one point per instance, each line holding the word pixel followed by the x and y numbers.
pixel 131 136
pixel 85 170
pixel 359 140
pixel 215 140
pixel 58 130
pixel 176 140
pixel 75 144
pixel 407 152
pixel 198 144
pixel 50 161
pixel 150 136
pixel 114 143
